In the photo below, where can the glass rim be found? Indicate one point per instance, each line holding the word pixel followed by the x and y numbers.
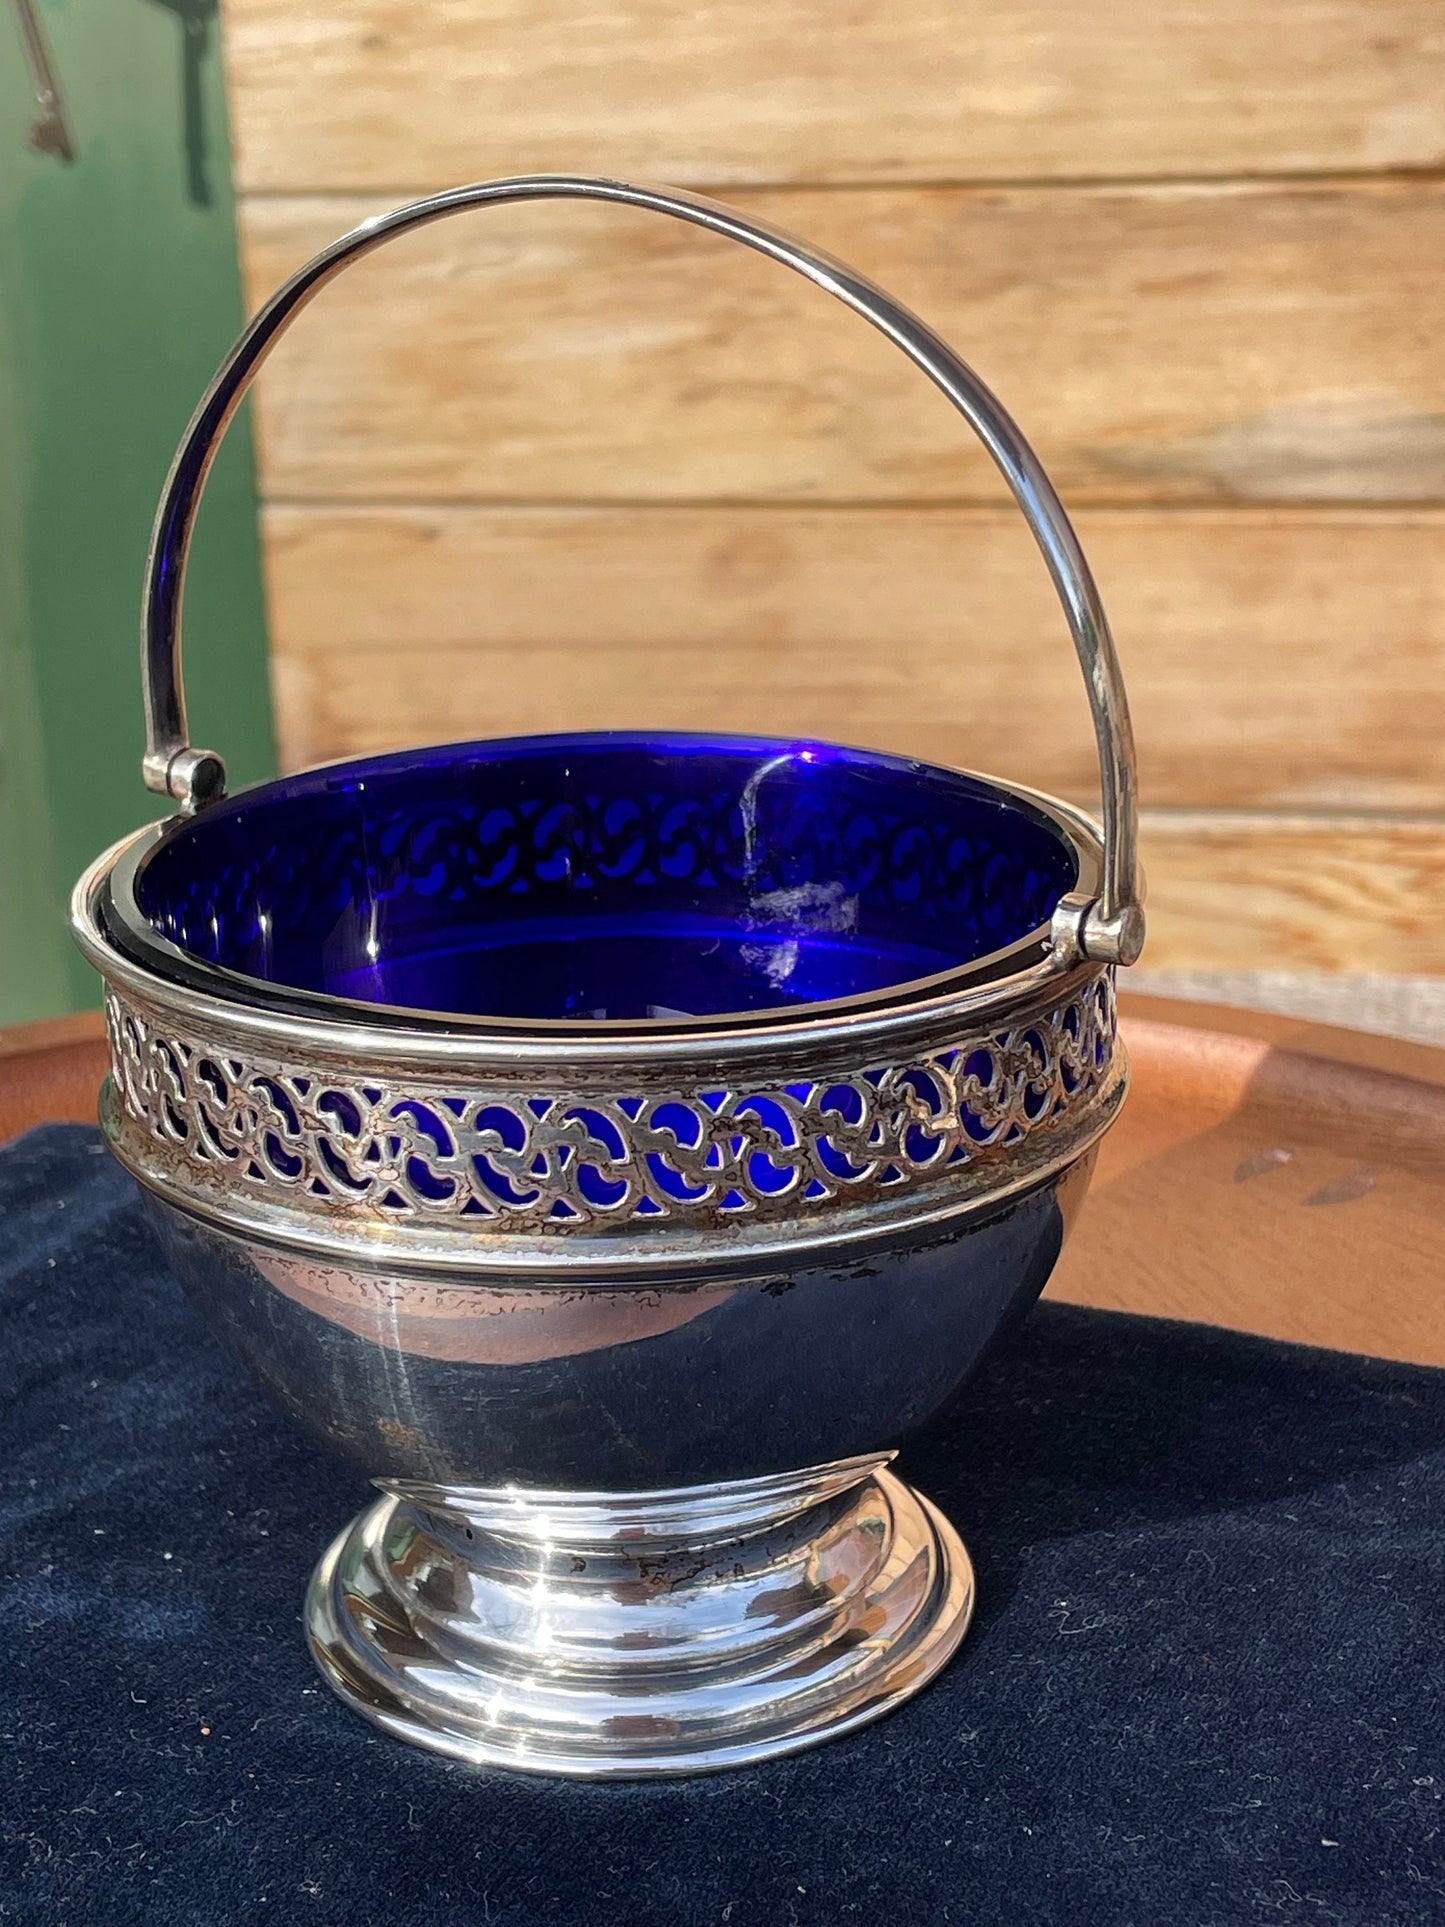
pixel 122 922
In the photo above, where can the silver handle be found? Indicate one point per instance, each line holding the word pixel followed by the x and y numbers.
pixel 1108 929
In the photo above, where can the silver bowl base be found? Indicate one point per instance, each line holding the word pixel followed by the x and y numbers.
pixel 625 1635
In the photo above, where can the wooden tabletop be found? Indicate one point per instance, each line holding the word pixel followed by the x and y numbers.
pixel 50 1070
pixel 1274 1176
pixel 1269 1175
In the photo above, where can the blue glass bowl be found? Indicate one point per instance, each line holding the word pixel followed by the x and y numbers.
pixel 599 878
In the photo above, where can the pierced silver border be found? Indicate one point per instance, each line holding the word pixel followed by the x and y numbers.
pixel 558 1157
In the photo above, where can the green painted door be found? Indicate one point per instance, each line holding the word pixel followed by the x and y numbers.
pixel 119 293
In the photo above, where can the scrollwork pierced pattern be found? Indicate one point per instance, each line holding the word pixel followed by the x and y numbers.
pixel 560 1162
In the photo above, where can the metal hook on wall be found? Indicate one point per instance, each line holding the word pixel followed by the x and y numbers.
pixel 49 131
pixel 195 18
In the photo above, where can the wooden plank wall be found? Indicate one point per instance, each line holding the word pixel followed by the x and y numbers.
pixel 564 466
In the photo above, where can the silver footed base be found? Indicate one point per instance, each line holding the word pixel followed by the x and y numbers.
pixel 630 1634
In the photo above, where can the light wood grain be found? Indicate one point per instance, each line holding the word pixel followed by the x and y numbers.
pixel 1324 892
pixel 1173 343
pixel 780 525
pixel 378 93
pixel 1275 658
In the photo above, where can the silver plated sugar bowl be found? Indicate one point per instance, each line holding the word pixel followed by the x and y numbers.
pixel 614 1145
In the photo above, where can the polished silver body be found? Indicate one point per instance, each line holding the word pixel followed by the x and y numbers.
pixel 636 1512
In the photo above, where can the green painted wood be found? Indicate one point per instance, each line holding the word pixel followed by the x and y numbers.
pixel 119 293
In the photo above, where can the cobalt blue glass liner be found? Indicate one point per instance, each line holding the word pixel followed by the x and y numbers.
pixel 602 877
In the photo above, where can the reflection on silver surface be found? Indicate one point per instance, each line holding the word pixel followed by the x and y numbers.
pixel 596 1555
pixel 628 1635
pixel 598 1385
pixel 595 1552
pixel 593 1556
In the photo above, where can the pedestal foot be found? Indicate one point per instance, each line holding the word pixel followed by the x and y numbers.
pixel 631 1634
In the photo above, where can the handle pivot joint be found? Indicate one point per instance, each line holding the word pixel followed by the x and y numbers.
pixel 1083 930
pixel 192 777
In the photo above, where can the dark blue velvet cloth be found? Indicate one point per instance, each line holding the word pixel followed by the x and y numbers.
pixel 1202 1687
